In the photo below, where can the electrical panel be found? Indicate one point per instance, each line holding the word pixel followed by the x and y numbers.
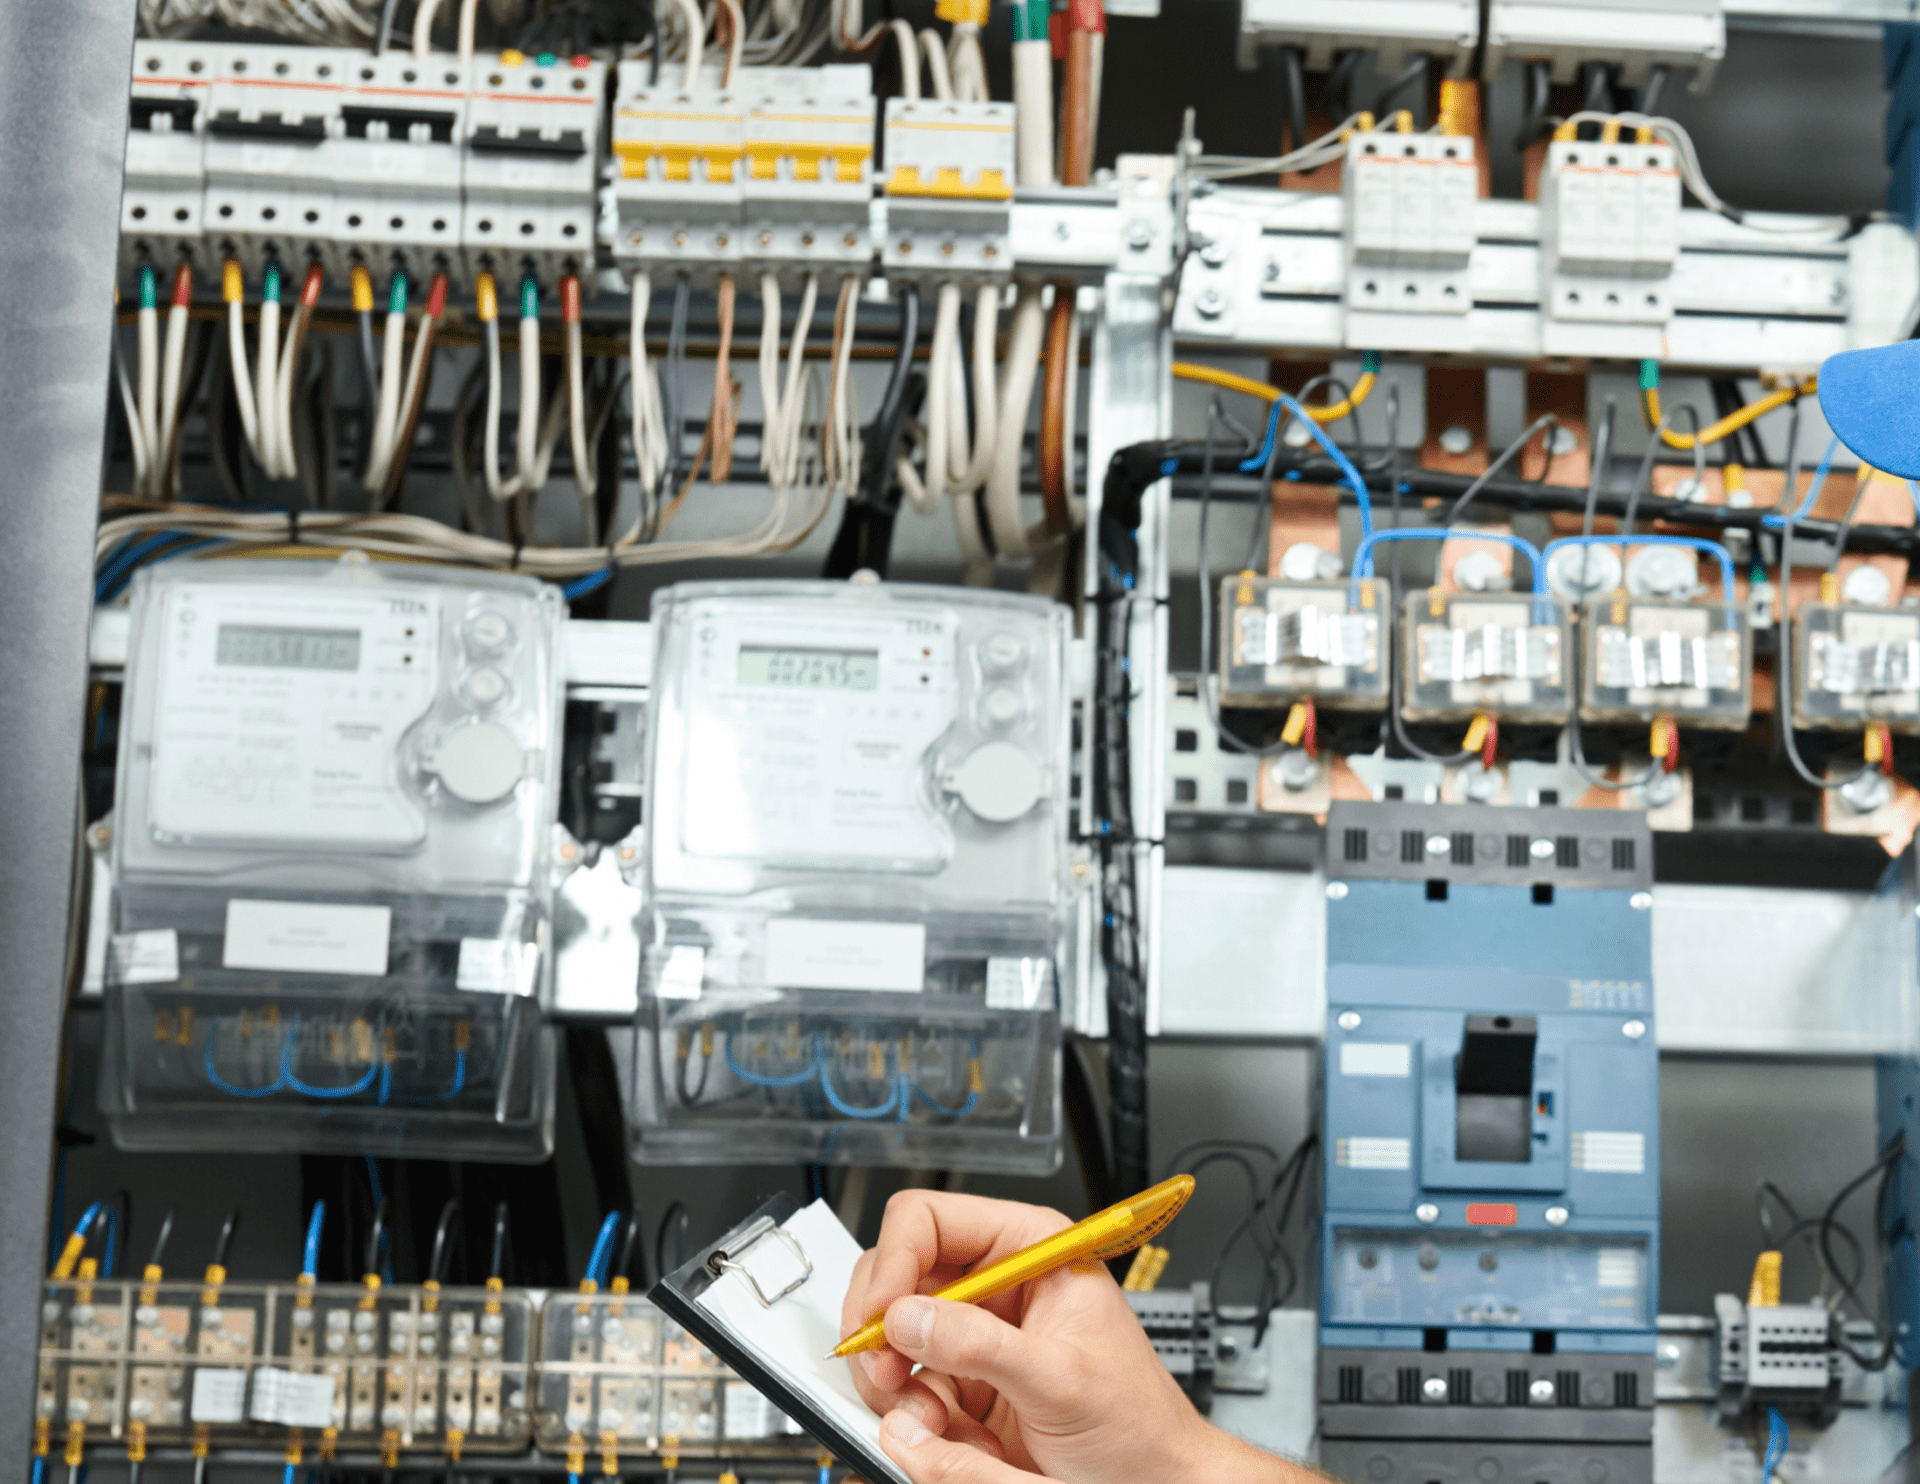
pixel 1410 233
pixel 160 209
pixel 332 848
pixel 949 189
pixel 856 876
pixel 532 134
pixel 1490 1242
pixel 1646 659
pixel 1609 236
pixel 1280 641
pixel 679 198
pixel 809 171
pixel 1634 36
pixel 1856 665
pixel 1466 653
pixel 1393 29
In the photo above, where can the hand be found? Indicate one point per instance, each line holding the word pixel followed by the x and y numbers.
pixel 1055 1378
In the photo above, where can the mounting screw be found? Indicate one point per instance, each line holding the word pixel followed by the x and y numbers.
pixel 1438 844
pixel 1426 1213
pixel 1213 252
pixel 1541 849
pixel 1061 230
pixel 1211 303
pixel 1456 440
pixel 1349 1020
pixel 1667 1356
pixel 1434 1389
pixel 1541 1393
pixel 1641 901
pixel 1139 233
pixel 1556 1215
pixel 1633 1030
pixel 1227 1347
pixel 1336 891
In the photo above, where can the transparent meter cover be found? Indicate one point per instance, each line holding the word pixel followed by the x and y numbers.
pixel 1854 664
pixel 332 828
pixel 1507 653
pixel 856 852
pixel 1282 640
pixel 1644 658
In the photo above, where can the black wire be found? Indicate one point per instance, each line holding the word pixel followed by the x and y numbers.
pixel 670 383
pixel 1783 707
pixel 1534 115
pixel 676 1211
pixel 383 33
pixel 688 1099
pixel 653 36
pixel 223 1244
pixel 889 422
pixel 1293 78
pixel 1766 1191
pixel 1883 1167
pixel 1846 525
pixel 630 1243
pixel 1415 72
pixel 1337 95
pixel 1657 76
pixel 502 1242
pixel 160 1242
pixel 376 1236
pixel 1596 86
pixel 442 1247
pixel 1546 420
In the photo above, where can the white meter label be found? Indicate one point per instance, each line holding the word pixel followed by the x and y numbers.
pixel 1019 983
pixel 151 956
pixel 290 1400
pixel 278 715
pixel 219 1395
pixel 306 937
pixel 804 953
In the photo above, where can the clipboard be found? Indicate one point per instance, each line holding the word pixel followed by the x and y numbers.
pixel 766 1299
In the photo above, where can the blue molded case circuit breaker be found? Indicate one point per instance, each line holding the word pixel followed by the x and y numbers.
pixel 1490 1243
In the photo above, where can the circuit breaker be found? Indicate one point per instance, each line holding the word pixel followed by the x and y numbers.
pixel 949 173
pixel 1490 1120
pixel 856 877
pixel 332 862
pixel 271 176
pixel 160 209
pixel 809 171
pixel 679 197
pixel 532 133
pixel 1609 235
pixel 397 164
pixel 1410 234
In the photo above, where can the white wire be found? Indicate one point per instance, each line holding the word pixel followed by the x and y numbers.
pixel 841 455
pixel 130 404
pixel 1033 120
pixel 147 382
pixel 283 402
pixel 986 400
pixel 967 63
pixel 469 9
pixel 932 485
pixel 583 469
pixel 1310 156
pixel 386 417
pixel 266 387
pixel 497 488
pixel 526 439
pixel 909 60
pixel 696 41
pixel 172 364
pixel 242 382
pixel 736 41
pixel 1024 340
pixel 936 53
pixel 783 413
pixel 649 421
pixel 423 29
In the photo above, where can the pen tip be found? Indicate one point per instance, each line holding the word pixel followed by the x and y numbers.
pixel 834 1353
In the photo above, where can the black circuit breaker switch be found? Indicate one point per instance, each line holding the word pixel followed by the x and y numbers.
pixel 1493 1089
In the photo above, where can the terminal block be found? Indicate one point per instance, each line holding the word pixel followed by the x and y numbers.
pixel 1853 665
pixel 532 135
pixel 1776 1355
pixel 1690 661
pixel 1471 652
pixel 160 211
pixel 396 163
pixel 678 195
pixel 1284 640
pixel 620 1379
pixel 809 177
pixel 1410 200
pixel 271 113
pixel 949 188
pixel 1609 234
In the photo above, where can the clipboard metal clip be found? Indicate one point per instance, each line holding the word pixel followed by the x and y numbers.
pixel 728 1260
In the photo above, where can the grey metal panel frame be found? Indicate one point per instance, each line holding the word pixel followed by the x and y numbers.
pixel 63 113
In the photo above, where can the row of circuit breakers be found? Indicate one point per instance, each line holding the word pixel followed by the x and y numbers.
pixel 312 154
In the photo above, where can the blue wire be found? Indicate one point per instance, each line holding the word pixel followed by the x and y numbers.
pixel 373 1184
pixel 1348 472
pixel 760 1080
pixel 166 556
pixel 840 1105
pixel 581 586
pixel 973 1098
pixel 239 1092
pixel 1776 1444
pixel 826 1473
pixel 1712 548
pixel 287 1477
pixel 603 1249
pixel 112 1245
pixel 39 1469
pixel 310 1261
pixel 1363 558
pixel 386 1081
pixel 1813 490
pixel 286 1073
pixel 459 1080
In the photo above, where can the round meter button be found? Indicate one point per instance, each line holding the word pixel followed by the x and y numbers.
pixel 480 762
pixel 998 782
pixel 488 631
pixel 1001 706
pixel 1003 651
pixel 486 686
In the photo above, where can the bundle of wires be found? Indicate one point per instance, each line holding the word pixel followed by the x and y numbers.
pixel 1271 1200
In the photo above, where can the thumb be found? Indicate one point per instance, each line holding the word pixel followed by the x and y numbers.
pixel 1034 1374
pixel 928 1458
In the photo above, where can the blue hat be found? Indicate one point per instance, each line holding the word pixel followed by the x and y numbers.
pixel 1871 400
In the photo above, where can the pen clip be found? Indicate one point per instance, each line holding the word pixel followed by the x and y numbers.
pixel 722 1261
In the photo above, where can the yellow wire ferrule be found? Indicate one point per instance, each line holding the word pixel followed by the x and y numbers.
pixel 1296 726
pixel 1829 587
pixel 362 289
pixel 76 1443
pixel 486 298
pixel 69 1255
pixel 1763 1292
pixel 233 284
pixel 1870 748
pixel 1476 737
pixel 370 1290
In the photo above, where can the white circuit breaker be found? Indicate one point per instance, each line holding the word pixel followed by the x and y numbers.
pixel 1410 235
pixel 1609 235
pixel 949 188
pixel 809 169
pixel 1391 29
pixel 396 164
pixel 678 196
pixel 271 111
pixel 532 136
pixel 160 210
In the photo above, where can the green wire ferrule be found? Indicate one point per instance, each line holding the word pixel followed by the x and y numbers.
pixel 1370 362
pixel 1649 376
pixel 397 292
pixel 1030 20
pixel 270 284
pixel 529 297
pixel 149 286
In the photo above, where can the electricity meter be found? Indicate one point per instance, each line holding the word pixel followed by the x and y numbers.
pixel 856 876
pixel 331 860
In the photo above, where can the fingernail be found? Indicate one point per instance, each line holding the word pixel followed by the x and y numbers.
pixel 910 1323
pixel 976 1443
pixel 914 1406
pixel 865 1361
pixel 904 1430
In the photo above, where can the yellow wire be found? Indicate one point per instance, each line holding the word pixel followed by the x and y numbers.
pixel 1732 422
pixel 1211 376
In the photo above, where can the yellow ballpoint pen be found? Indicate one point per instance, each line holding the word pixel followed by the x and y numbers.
pixel 1105 1234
